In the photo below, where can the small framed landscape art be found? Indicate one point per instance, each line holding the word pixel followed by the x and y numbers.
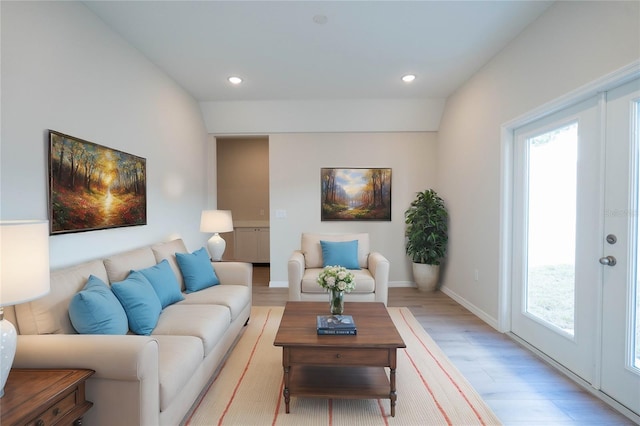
pixel 355 194
pixel 94 187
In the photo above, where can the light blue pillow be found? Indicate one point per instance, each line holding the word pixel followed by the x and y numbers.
pixel 96 310
pixel 164 282
pixel 140 302
pixel 197 270
pixel 340 253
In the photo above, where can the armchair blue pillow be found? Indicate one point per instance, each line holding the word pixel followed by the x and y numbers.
pixel 340 253
pixel 197 270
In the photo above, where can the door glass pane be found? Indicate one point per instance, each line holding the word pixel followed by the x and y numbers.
pixel 551 236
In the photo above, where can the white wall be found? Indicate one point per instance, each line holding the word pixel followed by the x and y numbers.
pixel 295 161
pixel 305 136
pixel 63 69
pixel 312 116
pixel 570 45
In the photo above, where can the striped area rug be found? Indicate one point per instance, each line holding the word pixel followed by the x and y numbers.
pixel 247 390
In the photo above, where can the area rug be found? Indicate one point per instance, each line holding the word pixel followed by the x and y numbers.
pixel 247 390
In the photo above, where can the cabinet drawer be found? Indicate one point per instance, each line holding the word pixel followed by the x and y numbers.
pixel 339 356
pixel 56 411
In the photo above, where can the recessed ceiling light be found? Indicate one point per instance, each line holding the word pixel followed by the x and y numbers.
pixel 408 78
pixel 235 80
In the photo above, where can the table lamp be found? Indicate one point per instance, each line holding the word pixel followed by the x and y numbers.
pixel 216 221
pixel 24 276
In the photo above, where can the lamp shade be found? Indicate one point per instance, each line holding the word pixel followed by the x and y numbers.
pixel 24 276
pixel 216 221
pixel 24 260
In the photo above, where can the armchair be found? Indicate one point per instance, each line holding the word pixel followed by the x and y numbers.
pixel 305 264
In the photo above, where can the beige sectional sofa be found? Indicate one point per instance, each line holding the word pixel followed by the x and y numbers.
pixel 139 380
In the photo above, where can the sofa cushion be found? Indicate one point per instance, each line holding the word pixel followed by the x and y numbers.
pixel 50 314
pixel 363 278
pixel 120 265
pixel 197 270
pixel 168 251
pixel 179 357
pixel 340 253
pixel 140 302
pixel 164 283
pixel 310 247
pixel 96 310
pixel 234 297
pixel 206 322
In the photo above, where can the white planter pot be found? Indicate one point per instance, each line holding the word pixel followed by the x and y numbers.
pixel 426 276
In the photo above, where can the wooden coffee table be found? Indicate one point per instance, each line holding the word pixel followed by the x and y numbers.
pixel 338 366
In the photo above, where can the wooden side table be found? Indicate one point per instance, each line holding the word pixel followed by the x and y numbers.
pixel 44 397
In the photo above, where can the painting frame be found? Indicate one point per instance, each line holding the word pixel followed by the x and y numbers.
pixel 93 187
pixel 355 194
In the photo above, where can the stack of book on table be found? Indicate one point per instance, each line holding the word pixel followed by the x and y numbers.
pixel 336 324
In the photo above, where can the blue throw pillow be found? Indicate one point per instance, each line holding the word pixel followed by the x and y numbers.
pixel 96 310
pixel 197 270
pixel 340 253
pixel 164 282
pixel 140 302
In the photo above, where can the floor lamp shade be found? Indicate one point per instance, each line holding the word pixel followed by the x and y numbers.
pixel 216 221
pixel 24 276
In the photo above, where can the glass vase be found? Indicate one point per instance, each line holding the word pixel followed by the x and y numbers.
pixel 336 304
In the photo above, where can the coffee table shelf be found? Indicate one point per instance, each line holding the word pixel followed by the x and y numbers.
pixel 339 382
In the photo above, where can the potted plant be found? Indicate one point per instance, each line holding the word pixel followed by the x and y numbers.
pixel 426 237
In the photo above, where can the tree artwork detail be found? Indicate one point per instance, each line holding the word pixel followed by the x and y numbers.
pixel 94 187
pixel 356 194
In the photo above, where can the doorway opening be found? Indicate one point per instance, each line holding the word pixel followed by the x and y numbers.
pixel 242 167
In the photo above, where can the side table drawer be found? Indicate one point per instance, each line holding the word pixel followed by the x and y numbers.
pixel 339 356
pixel 56 411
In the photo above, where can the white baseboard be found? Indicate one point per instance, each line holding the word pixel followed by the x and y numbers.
pixel 278 284
pixel 493 322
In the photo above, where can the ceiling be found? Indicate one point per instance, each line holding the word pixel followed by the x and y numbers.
pixel 301 50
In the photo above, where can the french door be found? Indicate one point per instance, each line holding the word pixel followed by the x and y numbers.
pixel 575 290
pixel 621 294
pixel 556 221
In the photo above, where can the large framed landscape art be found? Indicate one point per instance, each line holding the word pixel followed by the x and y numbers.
pixel 93 187
pixel 355 194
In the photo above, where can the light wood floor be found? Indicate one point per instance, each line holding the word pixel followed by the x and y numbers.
pixel 520 388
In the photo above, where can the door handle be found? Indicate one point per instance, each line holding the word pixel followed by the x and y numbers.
pixel 608 261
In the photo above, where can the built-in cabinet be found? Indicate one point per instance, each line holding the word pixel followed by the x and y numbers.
pixel 252 244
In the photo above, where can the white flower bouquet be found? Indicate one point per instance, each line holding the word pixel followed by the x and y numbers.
pixel 337 278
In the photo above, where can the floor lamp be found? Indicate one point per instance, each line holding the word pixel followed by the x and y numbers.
pixel 24 276
pixel 216 221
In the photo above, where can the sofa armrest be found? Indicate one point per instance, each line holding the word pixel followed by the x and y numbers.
pixel 379 268
pixel 295 270
pixel 235 273
pixel 125 388
pixel 114 357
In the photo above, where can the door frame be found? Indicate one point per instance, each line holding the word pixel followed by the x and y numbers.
pixel 506 243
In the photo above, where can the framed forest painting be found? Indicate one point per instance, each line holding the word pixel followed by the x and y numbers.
pixel 355 194
pixel 94 187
